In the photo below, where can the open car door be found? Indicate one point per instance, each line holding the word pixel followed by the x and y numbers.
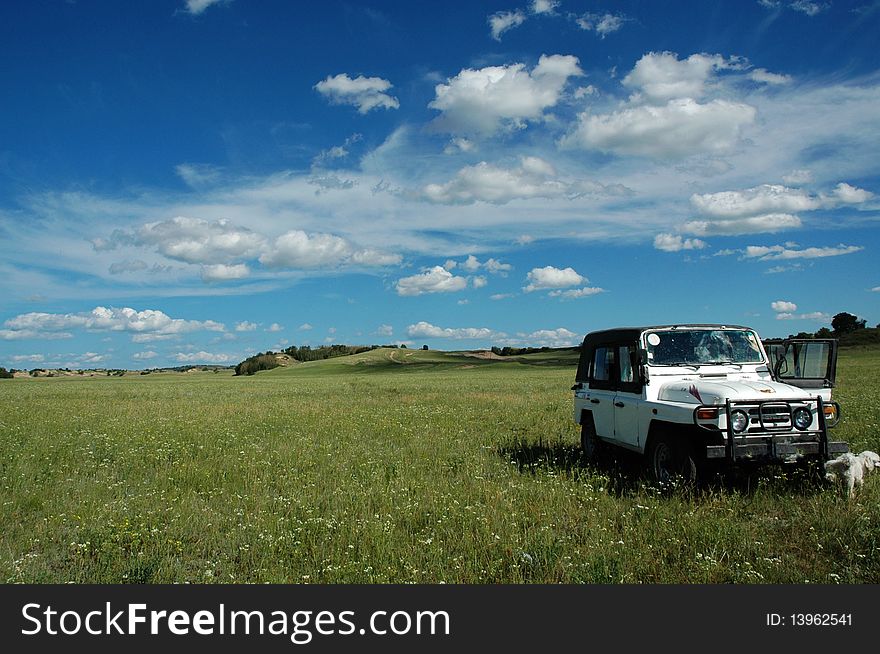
pixel 806 363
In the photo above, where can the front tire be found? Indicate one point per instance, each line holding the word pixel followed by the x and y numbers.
pixel 670 461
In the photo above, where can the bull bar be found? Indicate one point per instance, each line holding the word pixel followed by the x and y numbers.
pixel 770 432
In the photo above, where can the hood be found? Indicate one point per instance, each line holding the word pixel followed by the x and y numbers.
pixel 704 391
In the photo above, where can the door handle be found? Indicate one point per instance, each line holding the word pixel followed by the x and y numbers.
pixel 619 404
pixel 595 401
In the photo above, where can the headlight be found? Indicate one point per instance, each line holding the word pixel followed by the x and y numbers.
pixel 802 418
pixel 739 420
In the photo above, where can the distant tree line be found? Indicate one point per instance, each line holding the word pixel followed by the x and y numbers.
pixel 848 329
pixel 517 351
pixel 309 353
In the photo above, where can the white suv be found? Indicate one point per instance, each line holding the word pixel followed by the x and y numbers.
pixel 686 395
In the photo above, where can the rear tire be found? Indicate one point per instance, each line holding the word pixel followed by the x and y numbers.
pixel 671 461
pixel 591 446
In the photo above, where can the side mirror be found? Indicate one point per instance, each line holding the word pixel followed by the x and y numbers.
pixel 781 366
pixel 643 366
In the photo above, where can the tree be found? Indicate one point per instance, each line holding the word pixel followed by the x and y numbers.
pixel 824 332
pixel 846 323
pixel 424 347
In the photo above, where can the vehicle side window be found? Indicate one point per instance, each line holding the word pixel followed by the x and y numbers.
pixel 624 356
pixel 628 365
pixel 602 368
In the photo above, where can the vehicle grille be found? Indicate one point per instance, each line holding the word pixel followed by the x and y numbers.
pixel 771 417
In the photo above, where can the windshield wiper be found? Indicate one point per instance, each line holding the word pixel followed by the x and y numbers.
pixel 685 364
pixel 723 363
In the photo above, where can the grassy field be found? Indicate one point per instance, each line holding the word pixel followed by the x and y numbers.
pixel 392 466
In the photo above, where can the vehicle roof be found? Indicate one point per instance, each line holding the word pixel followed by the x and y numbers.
pixel 633 332
pixel 676 326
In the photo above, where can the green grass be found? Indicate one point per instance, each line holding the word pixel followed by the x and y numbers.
pixel 391 466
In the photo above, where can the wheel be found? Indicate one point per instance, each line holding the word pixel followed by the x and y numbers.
pixel 591 446
pixel 669 461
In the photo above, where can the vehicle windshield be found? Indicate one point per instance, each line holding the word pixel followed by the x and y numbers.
pixel 699 347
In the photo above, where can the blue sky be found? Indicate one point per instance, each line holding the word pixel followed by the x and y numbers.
pixel 195 181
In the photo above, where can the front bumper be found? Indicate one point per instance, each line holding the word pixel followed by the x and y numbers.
pixel 770 434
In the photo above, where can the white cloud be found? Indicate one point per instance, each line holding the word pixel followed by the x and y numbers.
pixel 764 76
pixel 495 98
pixel 365 93
pixel 372 258
pixel 678 129
pixel 673 243
pixel 143 356
pixel 847 194
pixel 479 281
pixel 575 293
pixel 661 76
pixel 201 357
pixel 459 144
pixel 781 252
pixel 151 338
pixel 817 316
pixel 876 289
pixel 196 7
pixel 664 117
pixel 602 24
pixel 497 267
pixel 28 358
pixel 534 178
pixel 769 223
pixel 501 296
pixel 24 334
pixel 193 240
pixel 385 330
pixel 245 326
pixel 149 322
pixel 501 22
pixel 432 280
pixel 764 199
pixel 549 277
pixel 93 357
pixel 424 329
pixel 473 264
pixel 337 151
pixel 275 327
pixel 765 208
pixel 559 337
pixel 808 7
pixel 331 182
pixel 798 176
pixel 127 266
pixel 198 175
pixel 221 272
pixel 783 306
pixel 297 249
pixel 544 6
pixel 305 327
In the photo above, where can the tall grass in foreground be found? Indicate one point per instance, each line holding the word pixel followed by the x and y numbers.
pixel 462 475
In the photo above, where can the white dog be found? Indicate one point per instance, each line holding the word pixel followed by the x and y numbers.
pixel 850 469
